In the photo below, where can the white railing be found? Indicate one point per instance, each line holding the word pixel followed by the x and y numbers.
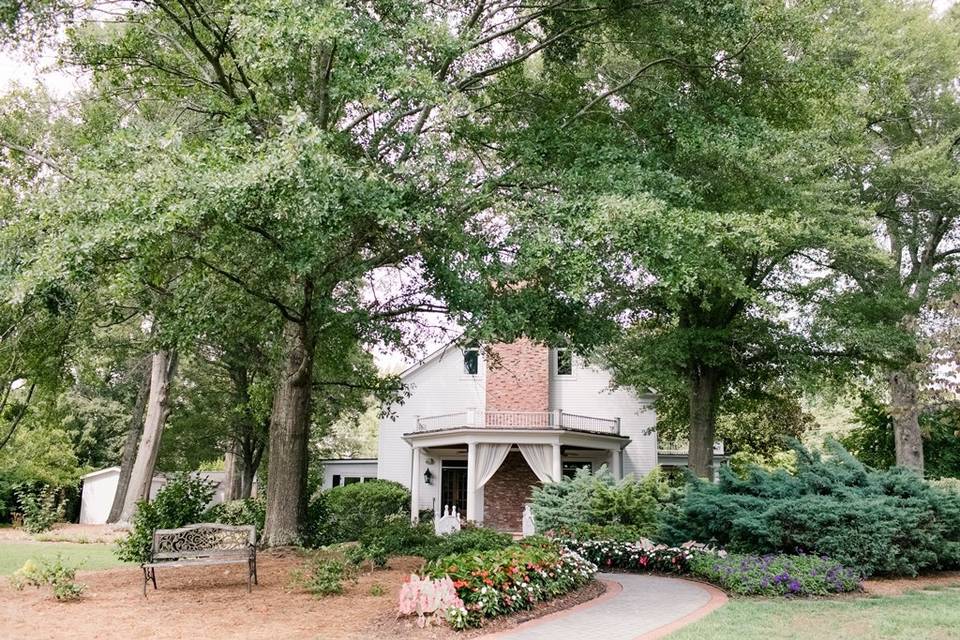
pixel 682 448
pixel 519 420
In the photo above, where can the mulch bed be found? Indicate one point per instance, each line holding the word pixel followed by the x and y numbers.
pixel 897 586
pixel 212 603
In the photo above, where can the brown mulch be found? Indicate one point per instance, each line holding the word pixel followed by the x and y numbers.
pixel 897 586
pixel 66 532
pixel 212 603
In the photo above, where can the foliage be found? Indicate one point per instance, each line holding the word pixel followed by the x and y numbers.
pixel 397 536
pixel 775 575
pixel 238 512
pixel 431 600
pixel 502 581
pixel 181 501
pixel 641 556
pixel 873 441
pixel 595 498
pixel 324 576
pixel 59 575
pixel 612 532
pixel 41 508
pixel 741 462
pixel 872 521
pixel 318 529
pixel 357 508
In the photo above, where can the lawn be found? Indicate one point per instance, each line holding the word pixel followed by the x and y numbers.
pixel 87 556
pixel 928 614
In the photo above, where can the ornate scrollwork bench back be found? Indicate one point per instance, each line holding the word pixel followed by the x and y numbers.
pixel 202 544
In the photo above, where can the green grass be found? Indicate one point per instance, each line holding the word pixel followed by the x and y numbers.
pixel 87 556
pixel 934 615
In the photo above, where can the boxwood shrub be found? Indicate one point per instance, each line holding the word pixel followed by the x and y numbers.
pixel 357 508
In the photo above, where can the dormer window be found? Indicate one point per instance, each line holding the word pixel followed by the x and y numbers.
pixel 564 361
pixel 471 361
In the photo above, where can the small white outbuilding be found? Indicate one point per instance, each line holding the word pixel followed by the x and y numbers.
pixel 99 487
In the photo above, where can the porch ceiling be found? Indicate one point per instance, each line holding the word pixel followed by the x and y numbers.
pixel 552 435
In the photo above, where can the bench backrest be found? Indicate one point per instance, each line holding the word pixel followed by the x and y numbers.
pixel 205 539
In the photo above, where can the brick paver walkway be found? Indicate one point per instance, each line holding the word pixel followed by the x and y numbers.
pixel 646 607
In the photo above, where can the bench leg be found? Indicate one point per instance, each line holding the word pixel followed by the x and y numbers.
pixel 153 576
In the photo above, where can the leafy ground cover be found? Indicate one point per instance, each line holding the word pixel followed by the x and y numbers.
pixel 930 613
pixel 88 556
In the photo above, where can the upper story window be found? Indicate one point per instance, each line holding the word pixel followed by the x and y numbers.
pixel 471 361
pixel 564 361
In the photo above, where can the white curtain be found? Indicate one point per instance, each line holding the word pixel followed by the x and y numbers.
pixel 540 459
pixel 489 459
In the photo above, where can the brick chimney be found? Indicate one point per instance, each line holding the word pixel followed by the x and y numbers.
pixel 518 377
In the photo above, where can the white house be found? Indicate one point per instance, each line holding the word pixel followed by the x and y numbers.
pixel 337 473
pixel 477 433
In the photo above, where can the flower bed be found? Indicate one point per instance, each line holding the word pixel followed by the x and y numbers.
pixel 776 575
pixel 637 556
pixel 503 581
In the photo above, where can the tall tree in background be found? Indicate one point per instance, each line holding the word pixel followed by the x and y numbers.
pixel 902 152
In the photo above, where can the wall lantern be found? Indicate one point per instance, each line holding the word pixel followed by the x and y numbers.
pixel 427 476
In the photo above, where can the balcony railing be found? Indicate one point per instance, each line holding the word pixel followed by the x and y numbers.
pixel 519 420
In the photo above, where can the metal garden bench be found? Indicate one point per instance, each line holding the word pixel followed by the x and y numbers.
pixel 202 544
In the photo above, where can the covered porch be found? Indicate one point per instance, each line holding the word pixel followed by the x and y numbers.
pixel 487 473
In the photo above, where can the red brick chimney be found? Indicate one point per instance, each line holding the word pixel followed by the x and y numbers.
pixel 518 376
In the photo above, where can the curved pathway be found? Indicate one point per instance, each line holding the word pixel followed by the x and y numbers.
pixel 635 607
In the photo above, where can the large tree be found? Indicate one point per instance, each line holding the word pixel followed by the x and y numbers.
pixel 301 152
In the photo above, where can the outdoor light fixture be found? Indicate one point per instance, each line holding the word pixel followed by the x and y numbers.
pixel 427 476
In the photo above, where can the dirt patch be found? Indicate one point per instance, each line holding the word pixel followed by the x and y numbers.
pixel 66 532
pixel 897 586
pixel 212 603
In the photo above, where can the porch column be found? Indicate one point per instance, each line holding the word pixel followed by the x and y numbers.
pixel 415 486
pixel 471 482
pixel 557 463
pixel 616 463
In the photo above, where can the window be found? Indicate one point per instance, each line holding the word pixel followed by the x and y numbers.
pixel 570 468
pixel 336 479
pixel 351 480
pixel 564 362
pixel 471 361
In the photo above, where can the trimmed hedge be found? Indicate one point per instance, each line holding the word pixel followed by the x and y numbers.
pixel 355 509
pixel 889 521
pixel 397 537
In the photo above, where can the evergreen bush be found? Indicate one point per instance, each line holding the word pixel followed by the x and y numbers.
pixel 357 508
pixel 889 521
pixel 239 512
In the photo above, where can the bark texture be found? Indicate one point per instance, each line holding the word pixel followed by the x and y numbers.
pixel 162 371
pixel 905 411
pixel 232 476
pixel 289 435
pixel 704 397
pixel 129 454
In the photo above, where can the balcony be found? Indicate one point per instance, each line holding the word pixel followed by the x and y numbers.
pixel 519 420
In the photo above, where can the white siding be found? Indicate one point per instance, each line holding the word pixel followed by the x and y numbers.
pixel 438 387
pixel 348 468
pixel 588 392
pixel 97 497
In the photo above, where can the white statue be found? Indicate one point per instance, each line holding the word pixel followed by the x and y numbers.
pixel 528 526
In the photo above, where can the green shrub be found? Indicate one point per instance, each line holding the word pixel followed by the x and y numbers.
pixel 397 536
pixel 324 576
pixel 502 581
pixel 596 498
pixel 775 575
pixel 874 521
pixel 239 512
pixel 56 573
pixel 40 508
pixel 636 556
pixel 613 532
pixel 356 508
pixel 180 502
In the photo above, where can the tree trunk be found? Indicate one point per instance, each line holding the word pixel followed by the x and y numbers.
pixel 162 371
pixel 251 462
pixel 232 476
pixel 289 436
pixel 905 411
pixel 130 447
pixel 704 397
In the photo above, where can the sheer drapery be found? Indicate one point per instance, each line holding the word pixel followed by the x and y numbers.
pixel 540 459
pixel 489 459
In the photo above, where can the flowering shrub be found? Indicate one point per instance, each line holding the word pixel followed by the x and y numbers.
pixel 637 556
pixel 56 573
pixel 431 600
pixel 772 575
pixel 502 581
